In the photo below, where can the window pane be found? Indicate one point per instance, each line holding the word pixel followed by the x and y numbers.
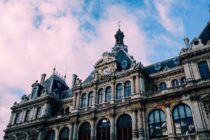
pixel 175 114
pixel 181 111
pixel 188 112
pixel 151 118
pixel 162 116
pixel 204 69
pixel 157 116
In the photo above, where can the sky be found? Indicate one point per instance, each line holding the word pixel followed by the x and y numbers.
pixel 71 35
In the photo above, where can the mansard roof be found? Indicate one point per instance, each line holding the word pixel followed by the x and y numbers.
pixel 170 63
pixel 205 34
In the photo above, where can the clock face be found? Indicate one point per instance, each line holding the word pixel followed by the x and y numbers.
pixel 106 71
pixel 124 64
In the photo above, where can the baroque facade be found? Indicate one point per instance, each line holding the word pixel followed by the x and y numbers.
pixel 122 99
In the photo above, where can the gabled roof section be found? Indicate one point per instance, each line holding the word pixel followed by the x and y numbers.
pixel 170 63
pixel 205 34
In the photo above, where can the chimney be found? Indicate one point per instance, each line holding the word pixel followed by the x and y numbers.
pixel 42 78
pixel 74 77
pixel 187 42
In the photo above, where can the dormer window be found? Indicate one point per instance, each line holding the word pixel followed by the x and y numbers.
pixel 162 86
pixel 204 69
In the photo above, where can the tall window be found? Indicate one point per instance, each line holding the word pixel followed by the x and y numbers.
pixel 204 69
pixel 103 130
pixel 84 131
pixel 38 112
pixel 27 116
pixel 127 88
pixel 50 135
pixel 162 86
pixel 67 110
pixel 174 83
pixel 183 121
pixel 183 80
pixel 157 124
pixel 64 134
pixel 83 100
pixel 90 99
pixel 119 89
pixel 124 127
pixel 154 87
pixel 108 94
pixel 17 118
pixel 100 96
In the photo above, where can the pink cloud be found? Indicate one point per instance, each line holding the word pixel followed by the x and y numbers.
pixel 26 51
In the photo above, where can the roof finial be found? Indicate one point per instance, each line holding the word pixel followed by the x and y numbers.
pixel 54 69
pixel 119 22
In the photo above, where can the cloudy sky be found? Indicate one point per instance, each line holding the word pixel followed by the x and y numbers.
pixel 36 35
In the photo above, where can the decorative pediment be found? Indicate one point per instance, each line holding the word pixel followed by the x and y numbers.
pixel 107 59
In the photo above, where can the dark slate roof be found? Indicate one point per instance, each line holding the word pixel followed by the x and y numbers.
pixel 170 63
pixel 90 78
pixel 67 93
pixel 205 34
pixel 121 56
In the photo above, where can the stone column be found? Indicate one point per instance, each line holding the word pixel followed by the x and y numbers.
pixel 46 109
pixel 75 132
pixel 197 115
pixel 75 100
pixel 168 120
pixel 70 130
pixel 22 117
pixel 11 118
pixel 140 125
pixel 95 96
pixel 40 134
pixel 132 86
pixel 112 129
pixel 78 101
pixel 138 84
pixel 113 92
pixel 134 125
pixel 33 113
pixel 142 84
pixel 27 135
pixel 92 135
pixel 56 133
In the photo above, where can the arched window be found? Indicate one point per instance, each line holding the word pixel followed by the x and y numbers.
pixel 64 134
pixel 154 88
pixel 119 89
pixel 174 82
pixel 157 124
pixel 50 135
pixel 84 131
pixel 162 86
pixel 124 127
pixel 100 96
pixel 204 69
pixel 183 121
pixel 90 99
pixel 108 94
pixel 83 100
pixel 127 88
pixel 103 130
pixel 67 110
pixel 183 80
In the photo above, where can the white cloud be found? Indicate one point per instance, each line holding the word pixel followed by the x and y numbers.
pixel 26 50
pixel 172 24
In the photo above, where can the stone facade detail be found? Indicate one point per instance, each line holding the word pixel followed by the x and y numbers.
pixel 168 100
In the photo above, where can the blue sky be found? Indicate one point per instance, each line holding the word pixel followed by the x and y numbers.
pixel 36 35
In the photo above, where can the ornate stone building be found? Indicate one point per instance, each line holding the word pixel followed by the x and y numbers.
pixel 122 99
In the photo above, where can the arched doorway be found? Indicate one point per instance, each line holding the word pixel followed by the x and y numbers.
pixel 84 131
pixel 64 134
pixel 124 127
pixel 103 130
pixel 50 135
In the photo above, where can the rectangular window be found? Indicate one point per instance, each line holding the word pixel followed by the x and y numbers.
pixel 38 113
pixel 204 69
pixel 27 116
pixel 17 118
